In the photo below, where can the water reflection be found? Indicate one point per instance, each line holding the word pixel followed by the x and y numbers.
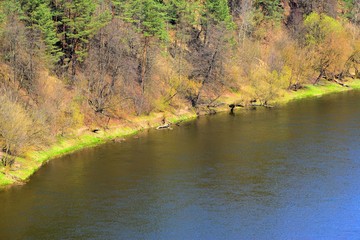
pixel 291 173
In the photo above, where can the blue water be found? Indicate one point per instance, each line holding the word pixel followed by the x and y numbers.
pixel 286 173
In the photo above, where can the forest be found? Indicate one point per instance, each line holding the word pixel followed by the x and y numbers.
pixel 67 65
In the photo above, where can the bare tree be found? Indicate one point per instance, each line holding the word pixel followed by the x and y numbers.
pixel 246 15
pixel 207 55
pixel 19 49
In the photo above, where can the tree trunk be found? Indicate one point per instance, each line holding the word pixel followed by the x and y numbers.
pixel 143 64
pixel 205 80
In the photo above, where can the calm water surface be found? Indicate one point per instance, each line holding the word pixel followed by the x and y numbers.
pixel 289 173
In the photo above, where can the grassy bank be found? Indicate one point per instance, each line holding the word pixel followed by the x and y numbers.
pixel 32 161
pixel 318 90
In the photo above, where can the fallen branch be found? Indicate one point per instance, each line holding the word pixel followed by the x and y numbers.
pixel 340 83
pixel 165 126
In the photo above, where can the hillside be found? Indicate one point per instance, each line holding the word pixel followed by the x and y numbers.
pixel 69 67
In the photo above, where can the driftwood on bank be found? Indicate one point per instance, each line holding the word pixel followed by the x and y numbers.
pixel 208 108
pixel 265 105
pixel 119 140
pixel 164 126
pixel 336 78
pixel 252 105
pixel 340 83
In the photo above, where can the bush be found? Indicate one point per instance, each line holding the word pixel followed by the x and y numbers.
pixel 18 129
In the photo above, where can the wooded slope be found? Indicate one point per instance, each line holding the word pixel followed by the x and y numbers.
pixel 66 64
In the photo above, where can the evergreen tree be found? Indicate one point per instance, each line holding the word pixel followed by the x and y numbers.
pixel 182 11
pixel 218 10
pixel 39 17
pixel 148 16
pixel 352 10
pixel 8 10
pixel 269 10
pixel 76 23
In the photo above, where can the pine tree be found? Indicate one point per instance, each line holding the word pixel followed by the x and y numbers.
pixel 216 13
pixel 182 12
pixel 76 23
pixel 218 10
pixel 269 9
pixel 8 10
pixel 352 10
pixel 38 16
pixel 148 16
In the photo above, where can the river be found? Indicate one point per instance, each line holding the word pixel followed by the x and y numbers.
pixel 286 173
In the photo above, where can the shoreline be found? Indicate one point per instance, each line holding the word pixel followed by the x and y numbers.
pixel 24 168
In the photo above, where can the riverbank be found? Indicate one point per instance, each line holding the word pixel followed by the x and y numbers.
pixel 32 161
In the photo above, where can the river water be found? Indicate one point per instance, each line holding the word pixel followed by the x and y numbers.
pixel 287 173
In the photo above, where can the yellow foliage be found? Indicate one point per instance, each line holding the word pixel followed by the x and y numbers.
pixel 18 130
pixel 285 77
pixel 329 43
pixel 268 84
pixel 77 115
